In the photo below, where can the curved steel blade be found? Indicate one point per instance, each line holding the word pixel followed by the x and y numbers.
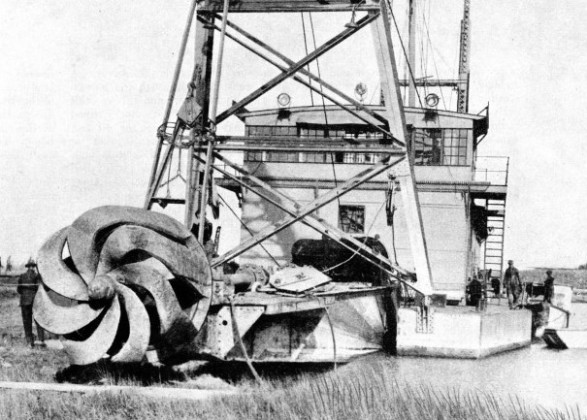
pixel 177 332
pixel 85 232
pixel 177 258
pixel 139 328
pixel 56 275
pixel 153 276
pixel 61 315
pixel 97 344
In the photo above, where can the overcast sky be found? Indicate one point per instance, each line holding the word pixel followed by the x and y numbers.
pixel 83 87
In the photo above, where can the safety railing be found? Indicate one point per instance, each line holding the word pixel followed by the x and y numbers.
pixel 493 169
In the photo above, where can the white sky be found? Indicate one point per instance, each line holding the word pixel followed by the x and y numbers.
pixel 83 86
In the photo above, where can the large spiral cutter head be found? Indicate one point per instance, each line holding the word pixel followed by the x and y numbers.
pixel 120 281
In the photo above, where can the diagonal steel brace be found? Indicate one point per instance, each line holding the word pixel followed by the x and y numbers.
pixel 319 91
pixel 289 205
pixel 307 73
pixel 320 202
pixel 297 66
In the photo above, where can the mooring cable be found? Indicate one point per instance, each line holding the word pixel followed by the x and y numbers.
pixel 311 295
pixel 241 344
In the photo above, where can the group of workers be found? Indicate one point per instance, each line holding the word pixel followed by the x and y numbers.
pixel 513 285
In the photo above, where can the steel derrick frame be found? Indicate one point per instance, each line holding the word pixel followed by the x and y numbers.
pixel 394 115
pixel 204 59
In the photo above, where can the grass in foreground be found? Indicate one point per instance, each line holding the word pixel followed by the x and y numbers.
pixel 18 362
pixel 364 390
pixel 354 392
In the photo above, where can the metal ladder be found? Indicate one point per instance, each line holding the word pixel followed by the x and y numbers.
pixel 493 256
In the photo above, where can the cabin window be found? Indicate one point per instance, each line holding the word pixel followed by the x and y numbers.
pixel 254 156
pixel 312 132
pixel 435 146
pixel 271 130
pixel 282 157
pixel 313 157
pixel 351 219
pixel 455 146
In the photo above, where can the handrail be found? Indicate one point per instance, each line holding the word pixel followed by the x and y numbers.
pixel 495 169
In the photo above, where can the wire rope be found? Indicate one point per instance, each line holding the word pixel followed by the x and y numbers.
pixel 307 53
pixel 241 344
pixel 434 61
pixel 405 52
pixel 326 130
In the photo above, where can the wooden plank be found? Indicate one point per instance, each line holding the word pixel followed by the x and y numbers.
pixel 148 392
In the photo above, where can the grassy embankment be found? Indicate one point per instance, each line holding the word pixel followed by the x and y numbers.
pixel 365 389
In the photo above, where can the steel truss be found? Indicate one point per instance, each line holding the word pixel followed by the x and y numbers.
pixel 204 145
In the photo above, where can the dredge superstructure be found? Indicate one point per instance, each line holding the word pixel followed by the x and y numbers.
pixel 313 283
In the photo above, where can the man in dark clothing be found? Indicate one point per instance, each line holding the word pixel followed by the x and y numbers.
pixel 513 284
pixel 548 287
pixel 496 286
pixel 27 288
pixel 475 291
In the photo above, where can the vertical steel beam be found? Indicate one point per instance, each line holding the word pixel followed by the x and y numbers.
pixel 463 88
pixel 211 139
pixel 405 170
pixel 412 53
pixel 204 43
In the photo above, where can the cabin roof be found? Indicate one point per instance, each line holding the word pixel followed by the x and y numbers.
pixel 315 114
pixel 418 117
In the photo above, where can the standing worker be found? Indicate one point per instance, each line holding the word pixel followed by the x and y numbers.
pixel 548 287
pixel 513 284
pixel 27 288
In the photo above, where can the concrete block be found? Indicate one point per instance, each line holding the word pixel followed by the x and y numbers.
pixel 462 332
